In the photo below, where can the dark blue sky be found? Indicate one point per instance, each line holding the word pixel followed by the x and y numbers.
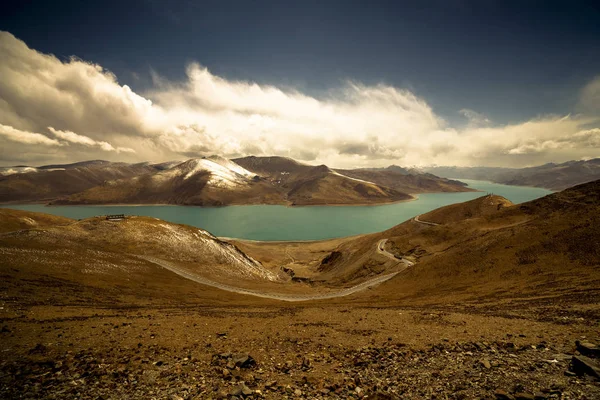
pixel 508 60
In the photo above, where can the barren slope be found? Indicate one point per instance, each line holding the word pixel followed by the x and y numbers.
pixel 546 248
pixel 406 181
pixel 51 182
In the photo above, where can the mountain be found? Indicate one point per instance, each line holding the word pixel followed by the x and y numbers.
pixel 217 181
pixel 208 181
pixel 550 176
pixel 406 180
pixel 305 184
pixel 53 181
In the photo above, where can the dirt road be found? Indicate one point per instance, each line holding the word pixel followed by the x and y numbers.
pixel 416 219
pixel 277 296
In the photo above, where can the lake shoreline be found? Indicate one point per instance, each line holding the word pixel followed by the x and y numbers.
pixel 284 223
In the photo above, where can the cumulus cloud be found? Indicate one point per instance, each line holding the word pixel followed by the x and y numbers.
pixel 354 125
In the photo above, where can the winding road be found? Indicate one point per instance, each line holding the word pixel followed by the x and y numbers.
pixel 381 250
pixel 277 296
pixel 416 219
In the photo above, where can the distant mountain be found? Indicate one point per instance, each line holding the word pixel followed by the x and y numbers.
pixel 217 181
pixel 550 176
pixel 214 181
pixel 407 180
pixel 18 184
pixel 303 184
pixel 208 181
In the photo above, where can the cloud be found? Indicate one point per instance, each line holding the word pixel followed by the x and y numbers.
pixel 17 135
pixel 353 125
pixel 73 137
pixel 588 138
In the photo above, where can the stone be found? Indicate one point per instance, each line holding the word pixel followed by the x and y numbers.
pixel 236 391
pixel 246 391
pixel 588 349
pixel 524 396
pixel 583 365
pixel 486 363
pixel 503 395
pixel 242 360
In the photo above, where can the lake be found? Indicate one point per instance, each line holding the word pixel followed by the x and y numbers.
pixel 268 222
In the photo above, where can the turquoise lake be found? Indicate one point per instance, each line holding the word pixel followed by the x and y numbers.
pixel 267 222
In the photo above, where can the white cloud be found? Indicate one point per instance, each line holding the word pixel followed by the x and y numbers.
pixel 30 138
pixel 73 137
pixel 355 125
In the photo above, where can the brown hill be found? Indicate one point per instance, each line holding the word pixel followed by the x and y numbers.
pixel 479 207
pixel 321 185
pixel 550 176
pixel 546 248
pixel 304 184
pixel 14 220
pixel 218 181
pixel 208 181
pixel 406 181
pixel 51 182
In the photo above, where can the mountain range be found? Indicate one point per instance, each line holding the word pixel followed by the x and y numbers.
pixel 214 181
pixel 550 176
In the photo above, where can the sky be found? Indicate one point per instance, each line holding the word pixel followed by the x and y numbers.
pixel 343 83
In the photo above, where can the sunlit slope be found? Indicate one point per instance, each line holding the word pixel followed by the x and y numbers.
pixel 14 220
pixel 53 181
pixel 547 247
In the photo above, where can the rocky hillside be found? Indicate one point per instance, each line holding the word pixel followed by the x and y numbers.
pixel 488 248
pixel 110 254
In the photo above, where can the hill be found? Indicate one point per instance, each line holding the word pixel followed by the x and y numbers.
pixel 407 181
pixel 215 181
pixel 487 249
pixel 50 182
pixel 14 220
pixel 490 304
pixel 212 181
pixel 550 176
pixel 305 185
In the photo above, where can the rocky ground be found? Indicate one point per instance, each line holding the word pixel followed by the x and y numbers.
pixel 295 353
